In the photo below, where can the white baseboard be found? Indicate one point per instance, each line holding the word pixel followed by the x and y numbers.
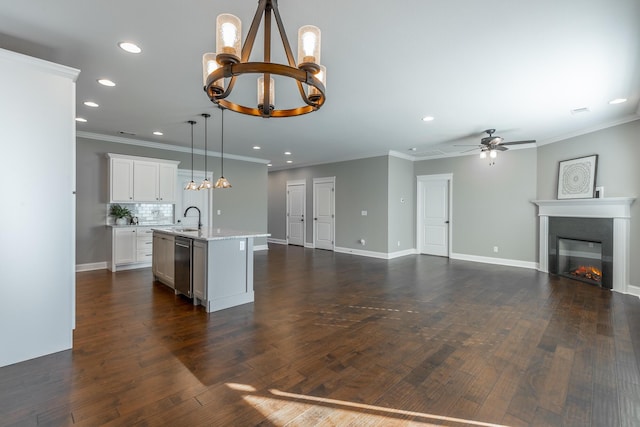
pixel 633 290
pixel 372 254
pixel 398 254
pixel 277 241
pixel 309 245
pixel 261 248
pixel 91 266
pixel 496 261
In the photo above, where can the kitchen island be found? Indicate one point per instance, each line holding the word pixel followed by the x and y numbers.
pixel 220 264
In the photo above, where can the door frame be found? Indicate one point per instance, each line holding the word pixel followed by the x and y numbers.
pixel 421 179
pixel 297 182
pixel 332 180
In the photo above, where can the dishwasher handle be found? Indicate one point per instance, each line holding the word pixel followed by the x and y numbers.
pixel 182 245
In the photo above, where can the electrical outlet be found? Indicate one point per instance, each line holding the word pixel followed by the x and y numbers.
pixel 362 242
pixel 219 212
pixel 495 249
pixel 364 213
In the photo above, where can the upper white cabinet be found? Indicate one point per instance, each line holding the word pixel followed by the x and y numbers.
pixel 141 179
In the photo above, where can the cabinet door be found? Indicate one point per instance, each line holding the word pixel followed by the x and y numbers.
pixel 121 171
pixel 145 181
pixel 167 175
pixel 169 261
pixel 199 263
pixel 124 251
pixel 144 244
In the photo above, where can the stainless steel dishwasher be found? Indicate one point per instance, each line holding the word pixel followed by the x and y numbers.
pixel 183 275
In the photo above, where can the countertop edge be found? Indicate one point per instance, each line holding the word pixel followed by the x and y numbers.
pixel 205 235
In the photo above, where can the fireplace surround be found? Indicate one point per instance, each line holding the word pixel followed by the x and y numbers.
pixel 555 215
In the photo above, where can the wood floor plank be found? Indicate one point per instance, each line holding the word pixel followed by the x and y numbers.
pixel 339 339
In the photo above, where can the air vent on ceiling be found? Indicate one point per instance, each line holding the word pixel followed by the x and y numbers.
pixel 580 110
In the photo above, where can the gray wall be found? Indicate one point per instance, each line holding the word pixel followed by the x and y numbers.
pixel 360 185
pixel 618 150
pixel 491 203
pixel 244 206
pixel 401 202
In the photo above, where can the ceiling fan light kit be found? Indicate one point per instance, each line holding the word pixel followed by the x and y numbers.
pixel 221 69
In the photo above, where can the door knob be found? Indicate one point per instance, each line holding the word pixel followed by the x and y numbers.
pixel 446 222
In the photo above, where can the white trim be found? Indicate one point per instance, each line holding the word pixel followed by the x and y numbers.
pixel 91 266
pixel 161 146
pixel 496 261
pixel 122 267
pixel 608 207
pixel 309 245
pixel 46 66
pixel 277 241
pixel 144 159
pixel 634 290
pixel 260 248
pixel 400 155
pixel 423 178
pixel 378 255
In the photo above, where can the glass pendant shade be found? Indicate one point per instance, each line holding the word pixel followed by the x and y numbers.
pixel 261 91
pixel 191 185
pixel 228 38
pixel 483 155
pixel 209 65
pixel 222 183
pixel 314 93
pixel 493 154
pixel 309 48
pixel 206 184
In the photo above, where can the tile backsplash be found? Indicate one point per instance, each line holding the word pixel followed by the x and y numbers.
pixel 147 213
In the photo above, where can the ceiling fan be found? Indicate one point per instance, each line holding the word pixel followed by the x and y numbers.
pixel 494 143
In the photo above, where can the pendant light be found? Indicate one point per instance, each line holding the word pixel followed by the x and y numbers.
pixel 206 184
pixel 222 182
pixel 191 185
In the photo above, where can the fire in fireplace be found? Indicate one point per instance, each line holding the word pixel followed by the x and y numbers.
pixel 580 259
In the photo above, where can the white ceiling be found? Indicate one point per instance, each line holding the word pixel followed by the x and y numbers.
pixel 514 65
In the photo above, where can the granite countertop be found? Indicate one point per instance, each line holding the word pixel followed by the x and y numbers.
pixel 207 233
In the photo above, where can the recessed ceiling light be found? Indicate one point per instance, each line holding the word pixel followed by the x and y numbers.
pixel 287 153
pixel 269 164
pixel 106 82
pixel 158 133
pixel 289 161
pixel 130 47
pixel 617 101
pixel 91 104
pixel 413 149
pixel 428 118
pixel 81 120
pixel 256 147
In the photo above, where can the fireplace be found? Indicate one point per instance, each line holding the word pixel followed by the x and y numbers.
pixel 584 230
pixel 575 244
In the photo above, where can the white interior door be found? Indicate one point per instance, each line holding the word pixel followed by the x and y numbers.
pixel 323 213
pixel 433 214
pixel 295 212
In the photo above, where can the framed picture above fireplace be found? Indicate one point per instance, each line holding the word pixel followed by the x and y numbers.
pixel 577 177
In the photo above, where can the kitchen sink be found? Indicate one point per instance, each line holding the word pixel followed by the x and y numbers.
pixel 185 229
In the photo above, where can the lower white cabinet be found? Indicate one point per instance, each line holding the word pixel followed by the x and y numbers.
pixel 163 262
pixel 199 270
pixel 131 247
pixel 124 245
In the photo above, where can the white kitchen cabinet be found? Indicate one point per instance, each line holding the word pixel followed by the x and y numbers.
pixel 163 260
pixel 141 179
pixel 121 174
pixel 199 269
pixel 144 244
pixel 124 245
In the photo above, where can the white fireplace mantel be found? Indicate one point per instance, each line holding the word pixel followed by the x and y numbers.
pixel 618 208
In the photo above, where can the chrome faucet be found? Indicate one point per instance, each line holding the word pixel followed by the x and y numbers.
pixel 199 215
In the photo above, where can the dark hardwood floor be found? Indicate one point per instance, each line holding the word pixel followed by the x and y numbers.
pixel 336 339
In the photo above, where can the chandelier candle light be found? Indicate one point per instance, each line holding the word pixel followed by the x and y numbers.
pixel 221 69
pixel 191 185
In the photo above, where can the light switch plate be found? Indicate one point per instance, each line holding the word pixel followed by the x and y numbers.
pixel 242 245
pixel 364 213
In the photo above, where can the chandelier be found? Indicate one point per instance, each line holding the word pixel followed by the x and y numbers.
pixel 221 69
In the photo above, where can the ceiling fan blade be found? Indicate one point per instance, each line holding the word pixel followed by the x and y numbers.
pixel 499 147
pixel 531 141
pixel 467 151
pixel 467 145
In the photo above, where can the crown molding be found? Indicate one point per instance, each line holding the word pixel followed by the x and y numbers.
pixel 47 66
pixel 592 129
pixel 160 146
